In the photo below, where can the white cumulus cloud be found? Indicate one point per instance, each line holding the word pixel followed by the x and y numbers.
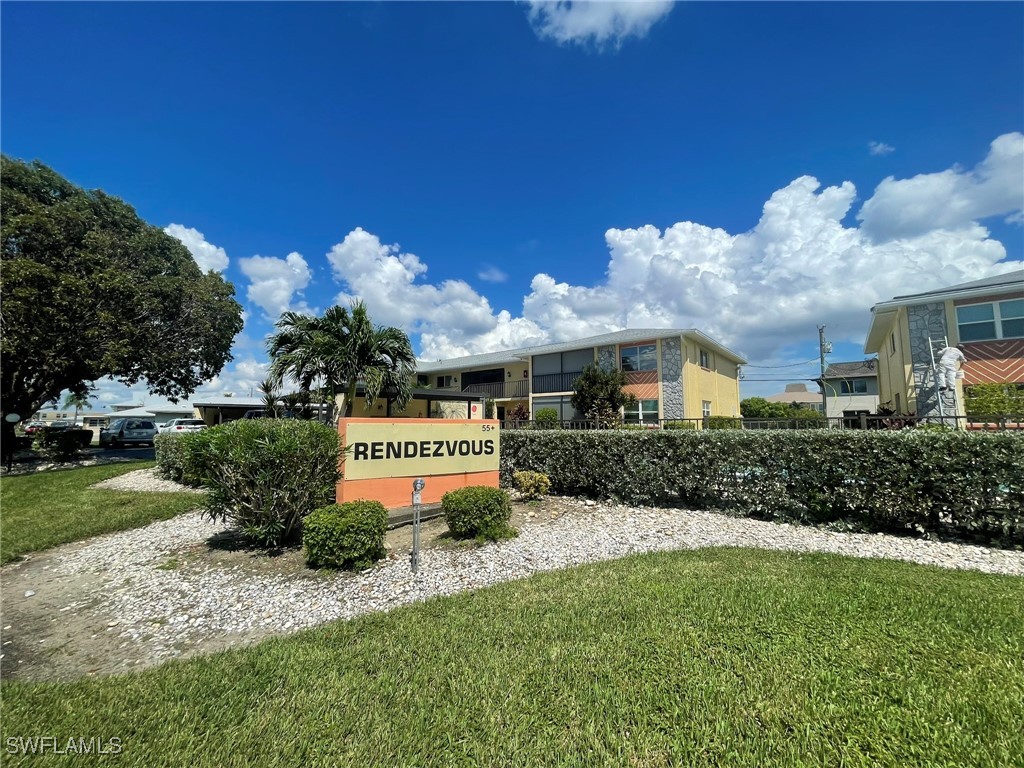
pixel 273 282
pixel 602 23
pixel 207 255
pixel 880 148
pixel 760 291
pixel 491 274
pixel 951 199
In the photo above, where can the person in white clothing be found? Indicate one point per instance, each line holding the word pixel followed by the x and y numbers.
pixel 950 358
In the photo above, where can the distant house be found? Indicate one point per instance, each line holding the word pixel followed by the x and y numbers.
pixel 799 394
pixel 118 407
pixel 986 316
pixel 851 389
pixel 157 413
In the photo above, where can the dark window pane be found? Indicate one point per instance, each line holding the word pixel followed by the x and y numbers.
pixel 977 331
pixel 1013 329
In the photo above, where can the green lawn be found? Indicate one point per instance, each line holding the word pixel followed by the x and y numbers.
pixel 712 658
pixel 50 508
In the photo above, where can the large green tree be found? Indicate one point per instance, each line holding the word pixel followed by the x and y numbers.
pixel 90 290
pixel 340 351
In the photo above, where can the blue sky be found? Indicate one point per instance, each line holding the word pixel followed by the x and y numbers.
pixel 488 175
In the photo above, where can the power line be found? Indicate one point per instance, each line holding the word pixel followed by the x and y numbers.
pixel 788 365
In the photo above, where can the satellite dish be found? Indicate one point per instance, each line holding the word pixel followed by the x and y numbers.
pixel 12 418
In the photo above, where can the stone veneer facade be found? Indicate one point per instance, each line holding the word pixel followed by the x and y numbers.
pixel 672 378
pixel 927 322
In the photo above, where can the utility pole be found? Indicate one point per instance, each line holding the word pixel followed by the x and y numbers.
pixel 823 347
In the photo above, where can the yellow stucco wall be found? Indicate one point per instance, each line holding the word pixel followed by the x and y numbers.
pixel 895 374
pixel 417 409
pixel 719 384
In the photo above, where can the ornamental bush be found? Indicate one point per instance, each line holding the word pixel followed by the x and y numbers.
pixel 532 485
pixel 909 481
pixel 480 511
pixel 547 418
pixel 265 475
pixel 182 457
pixel 349 535
pixel 61 445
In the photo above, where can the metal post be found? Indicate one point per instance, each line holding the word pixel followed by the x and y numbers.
pixel 417 500
pixel 821 360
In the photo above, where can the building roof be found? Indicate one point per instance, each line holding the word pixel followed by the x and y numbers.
pixel 998 283
pixel 796 393
pixel 860 368
pixel 131 413
pixel 228 402
pixel 884 313
pixel 616 337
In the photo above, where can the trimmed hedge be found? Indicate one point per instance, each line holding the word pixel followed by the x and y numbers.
pixel 948 483
pixel 349 535
pixel 265 475
pixel 478 510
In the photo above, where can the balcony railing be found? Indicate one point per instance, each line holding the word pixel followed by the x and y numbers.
pixel 555 382
pixel 500 390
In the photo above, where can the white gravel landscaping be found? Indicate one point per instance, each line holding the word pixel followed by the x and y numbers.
pixel 166 607
pixel 144 480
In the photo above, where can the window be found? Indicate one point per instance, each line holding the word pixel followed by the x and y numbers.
pixel 561 404
pixel 705 408
pixel 642 411
pixel 640 358
pixel 994 320
pixel 705 359
pixel 422 380
pixel 853 386
pixel 444 382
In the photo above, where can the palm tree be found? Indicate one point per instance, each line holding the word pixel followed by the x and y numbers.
pixel 268 391
pixel 79 402
pixel 341 350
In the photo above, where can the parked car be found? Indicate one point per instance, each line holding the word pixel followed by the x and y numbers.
pixel 128 432
pixel 181 425
pixel 60 425
pixel 34 426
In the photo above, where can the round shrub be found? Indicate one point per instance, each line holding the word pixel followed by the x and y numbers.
pixel 478 510
pixel 547 418
pixel 349 535
pixel 532 485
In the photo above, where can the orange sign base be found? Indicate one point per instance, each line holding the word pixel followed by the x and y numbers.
pixel 395 492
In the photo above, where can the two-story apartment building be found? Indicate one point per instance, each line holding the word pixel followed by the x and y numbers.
pixel 674 374
pixel 985 316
